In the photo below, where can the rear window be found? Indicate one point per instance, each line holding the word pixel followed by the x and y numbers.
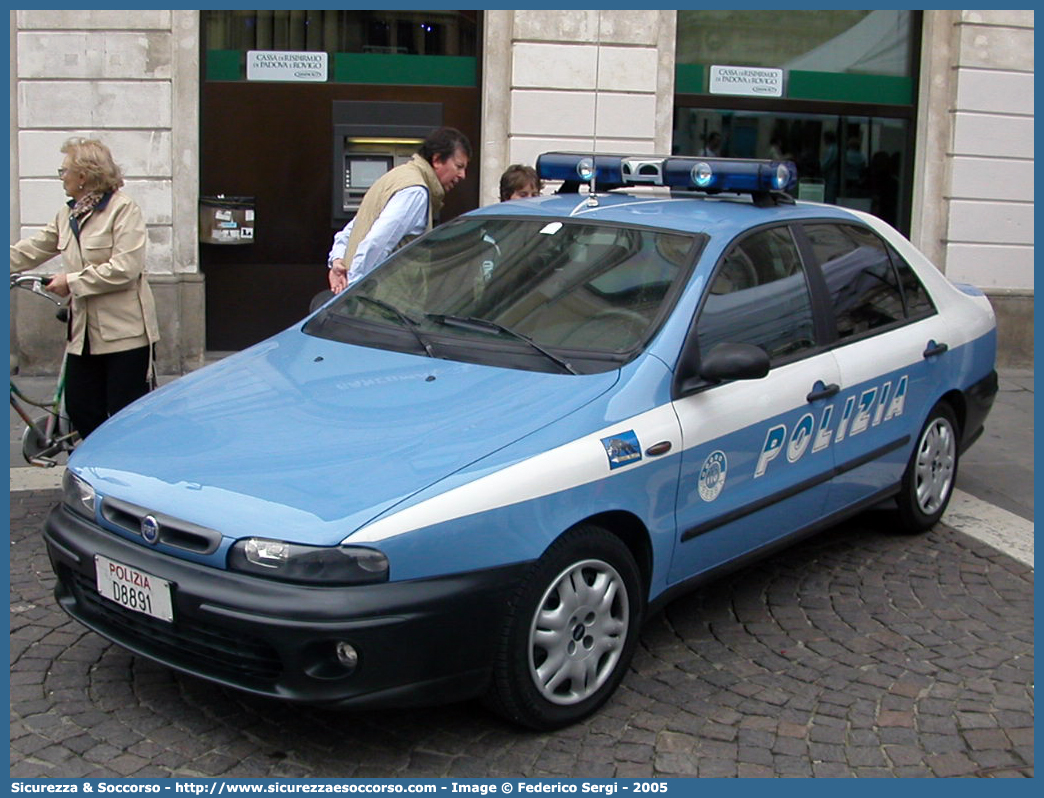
pixel 863 284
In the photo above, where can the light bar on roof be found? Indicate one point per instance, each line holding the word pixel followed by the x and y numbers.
pixel 729 174
pixel 710 175
pixel 578 166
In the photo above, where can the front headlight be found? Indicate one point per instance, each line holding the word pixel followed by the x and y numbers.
pixel 78 496
pixel 317 565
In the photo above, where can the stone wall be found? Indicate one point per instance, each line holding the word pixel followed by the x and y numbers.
pixel 990 241
pixel 569 80
pixel 974 193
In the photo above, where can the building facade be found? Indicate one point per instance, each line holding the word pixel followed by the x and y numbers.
pixel 951 97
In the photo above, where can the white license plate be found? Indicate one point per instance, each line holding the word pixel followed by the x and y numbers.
pixel 133 589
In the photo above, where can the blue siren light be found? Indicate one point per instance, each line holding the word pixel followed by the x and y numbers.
pixel 784 176
pixel 574 166
pixel 702 174
pixel 585 168
pixel 729 174
pixel 685 173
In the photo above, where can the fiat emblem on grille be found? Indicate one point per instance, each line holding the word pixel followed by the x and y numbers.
pixel 150 529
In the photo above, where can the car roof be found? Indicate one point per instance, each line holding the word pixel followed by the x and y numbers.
pixel 714 216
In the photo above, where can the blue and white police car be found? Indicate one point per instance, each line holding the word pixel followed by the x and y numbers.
pixel 475 472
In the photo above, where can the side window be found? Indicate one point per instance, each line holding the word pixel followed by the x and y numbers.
pixel 918 303
pixel 863 286
pixel 759 296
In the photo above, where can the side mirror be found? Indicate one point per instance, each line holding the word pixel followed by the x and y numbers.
pixel 727 361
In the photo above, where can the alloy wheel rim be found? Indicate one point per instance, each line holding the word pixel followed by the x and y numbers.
pixel 578 632
pixel 934 469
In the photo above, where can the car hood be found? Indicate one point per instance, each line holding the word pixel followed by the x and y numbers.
pixel 304 439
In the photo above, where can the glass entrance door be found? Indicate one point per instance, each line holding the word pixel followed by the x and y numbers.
pixel 855 161
pixel 833 90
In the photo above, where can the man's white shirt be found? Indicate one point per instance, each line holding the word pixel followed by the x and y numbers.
pixel 406 214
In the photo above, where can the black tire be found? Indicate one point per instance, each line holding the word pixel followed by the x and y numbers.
pixel 931 473
pixel 591 573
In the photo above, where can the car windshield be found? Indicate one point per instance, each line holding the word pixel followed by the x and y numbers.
pixel 549 295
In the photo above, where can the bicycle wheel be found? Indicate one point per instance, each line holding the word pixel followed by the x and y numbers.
pixel 37 445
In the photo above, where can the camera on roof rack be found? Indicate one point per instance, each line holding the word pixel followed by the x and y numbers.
pixel 681 173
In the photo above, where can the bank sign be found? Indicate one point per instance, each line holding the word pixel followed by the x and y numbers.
pixel 746 81
pixel 282 65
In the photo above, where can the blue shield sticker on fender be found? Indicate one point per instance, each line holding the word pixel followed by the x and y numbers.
pixel 622 449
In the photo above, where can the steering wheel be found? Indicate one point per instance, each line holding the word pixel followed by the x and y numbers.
pixel 626 327
pixel 736 274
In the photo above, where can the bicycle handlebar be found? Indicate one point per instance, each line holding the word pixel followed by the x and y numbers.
pixel 35 284
pixel 21 280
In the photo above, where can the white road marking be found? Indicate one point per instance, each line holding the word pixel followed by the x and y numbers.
pixel 1006 532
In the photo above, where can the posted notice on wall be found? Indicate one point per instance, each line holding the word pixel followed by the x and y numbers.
pixel 746 81
pixel 284 65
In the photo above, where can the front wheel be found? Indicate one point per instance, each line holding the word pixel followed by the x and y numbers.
pixel 930 475
pixel 570 632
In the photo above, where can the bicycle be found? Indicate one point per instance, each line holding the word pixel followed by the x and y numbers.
pixel 46 437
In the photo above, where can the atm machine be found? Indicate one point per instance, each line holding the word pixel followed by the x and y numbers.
pixel 369 138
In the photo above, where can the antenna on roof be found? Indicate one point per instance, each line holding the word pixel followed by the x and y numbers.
pixel 592 198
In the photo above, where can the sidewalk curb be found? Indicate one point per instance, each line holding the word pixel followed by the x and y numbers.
pixel 29 478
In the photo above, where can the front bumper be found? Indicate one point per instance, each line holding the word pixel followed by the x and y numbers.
pixel 422 642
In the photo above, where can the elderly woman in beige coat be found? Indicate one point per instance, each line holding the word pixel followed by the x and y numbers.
pixel 100 234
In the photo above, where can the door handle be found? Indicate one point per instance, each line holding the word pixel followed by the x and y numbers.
pixel 821 391
pixel 934 349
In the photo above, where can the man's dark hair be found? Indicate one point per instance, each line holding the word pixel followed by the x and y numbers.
pixel 444 142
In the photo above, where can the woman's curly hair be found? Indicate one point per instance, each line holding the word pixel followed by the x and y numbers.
pixel 93 160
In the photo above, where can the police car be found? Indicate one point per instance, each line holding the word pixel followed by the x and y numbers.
pixel 479 469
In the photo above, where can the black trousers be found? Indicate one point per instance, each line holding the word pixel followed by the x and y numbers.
pixel 97 386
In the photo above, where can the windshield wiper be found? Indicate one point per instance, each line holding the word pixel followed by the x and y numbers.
pixel 411 325
pixel 470 322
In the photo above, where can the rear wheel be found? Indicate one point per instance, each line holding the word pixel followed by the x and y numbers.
pixel 930 475
pixel 570 631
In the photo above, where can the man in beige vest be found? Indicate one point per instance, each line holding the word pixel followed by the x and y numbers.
pixel 400 206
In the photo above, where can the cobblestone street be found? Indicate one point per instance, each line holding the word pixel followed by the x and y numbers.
pixel 856 653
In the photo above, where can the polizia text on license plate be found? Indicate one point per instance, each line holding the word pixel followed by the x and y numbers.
pixel 133 589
